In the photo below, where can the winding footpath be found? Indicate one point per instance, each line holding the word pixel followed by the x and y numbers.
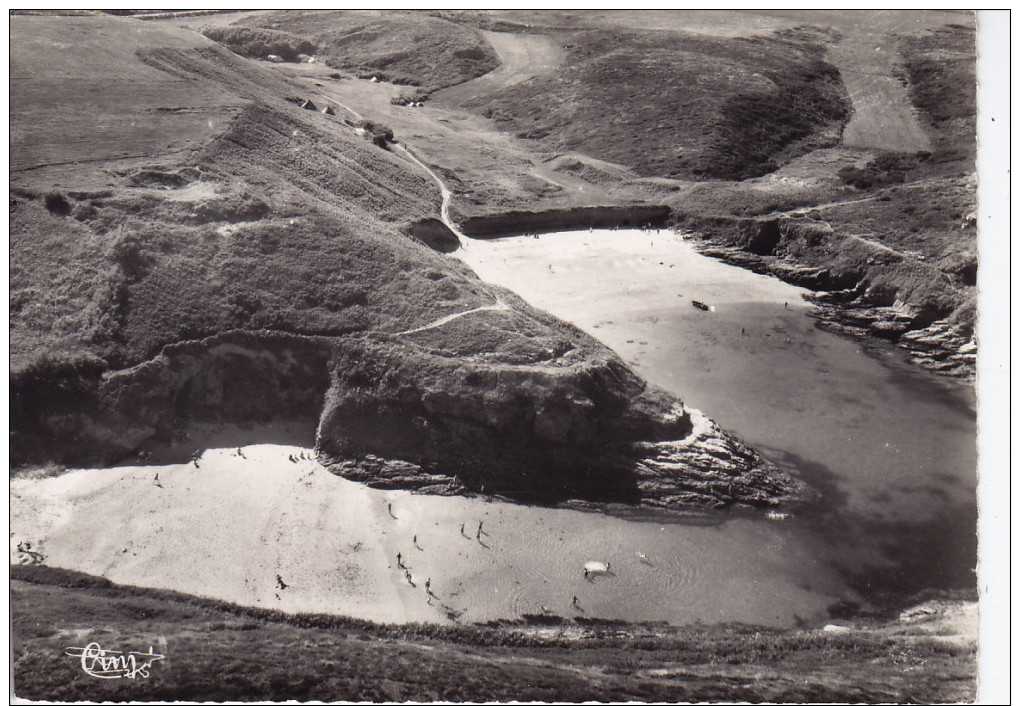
pixel 500 305
pixel 444 210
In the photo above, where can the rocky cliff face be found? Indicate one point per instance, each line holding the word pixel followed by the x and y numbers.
pixel 550 221
pixel 588 430
pixel 864 287
pixel 434 233
pixel 240 376
pixel 394 413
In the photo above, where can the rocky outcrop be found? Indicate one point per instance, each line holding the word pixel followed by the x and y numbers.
pixel 525 222
pixel 709 468
pixel 395 413
pixel 592 430
pixel 239 376
pixel 864 288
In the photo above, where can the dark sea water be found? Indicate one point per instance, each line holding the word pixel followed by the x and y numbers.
pixel 890 448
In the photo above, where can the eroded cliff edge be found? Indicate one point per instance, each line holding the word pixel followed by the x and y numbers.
pixel 396 413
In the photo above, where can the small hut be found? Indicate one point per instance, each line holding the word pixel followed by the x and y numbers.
pixel 328 110
pixel 308 105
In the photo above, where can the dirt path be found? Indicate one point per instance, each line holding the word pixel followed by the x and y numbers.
pixel 349 109
pixel 521 56
pixel 444 210
pixel 851 202
pixel 500 305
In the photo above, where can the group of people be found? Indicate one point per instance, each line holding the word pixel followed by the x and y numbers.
pixel 407 571
pixel 478 533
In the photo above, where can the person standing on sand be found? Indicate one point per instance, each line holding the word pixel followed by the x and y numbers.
pixel 428 585
pixel 400 561
pixel 415 543
pixel 155 481
pixel 575 603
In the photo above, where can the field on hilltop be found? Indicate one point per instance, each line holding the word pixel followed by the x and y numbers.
pixel 80 95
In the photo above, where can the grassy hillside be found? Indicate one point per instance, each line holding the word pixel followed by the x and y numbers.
pixel 283 220
pixel 680 105
pixel 943 83
pixel 401 47
pixel 219 651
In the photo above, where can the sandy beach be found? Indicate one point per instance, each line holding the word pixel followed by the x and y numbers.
pixel 241 527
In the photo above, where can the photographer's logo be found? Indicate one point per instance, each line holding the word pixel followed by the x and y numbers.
pixel 111 664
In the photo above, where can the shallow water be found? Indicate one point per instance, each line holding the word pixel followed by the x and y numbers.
pixel 890 447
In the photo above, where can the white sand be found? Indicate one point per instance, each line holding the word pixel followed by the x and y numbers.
pixel 228 528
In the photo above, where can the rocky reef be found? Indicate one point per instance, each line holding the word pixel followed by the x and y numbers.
pixel 862 288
